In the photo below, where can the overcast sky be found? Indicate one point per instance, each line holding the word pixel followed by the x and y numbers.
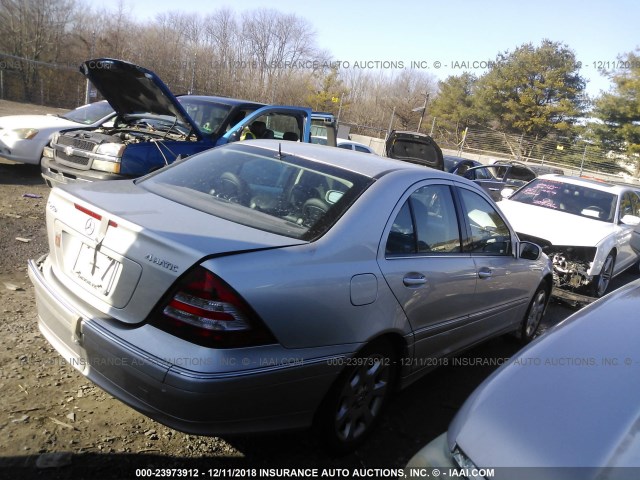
pixel 460 34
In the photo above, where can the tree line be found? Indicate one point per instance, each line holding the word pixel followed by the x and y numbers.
pixel 538 91
pixel 274 57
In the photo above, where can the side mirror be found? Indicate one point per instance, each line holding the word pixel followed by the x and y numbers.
pixel 506 192
pixel 332 196
pixel 630 220
pixel 529 251
pixel 234 136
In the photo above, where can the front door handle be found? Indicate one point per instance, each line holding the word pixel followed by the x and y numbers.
pixel 414 279
pixel 484 272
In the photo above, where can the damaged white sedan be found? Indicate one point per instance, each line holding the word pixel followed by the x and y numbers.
pixel 584 226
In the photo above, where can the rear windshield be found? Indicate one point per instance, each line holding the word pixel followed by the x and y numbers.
pixel 253 186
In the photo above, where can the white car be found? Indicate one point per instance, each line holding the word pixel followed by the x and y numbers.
pixel 23 137
pixel 358 147
pixel 584 226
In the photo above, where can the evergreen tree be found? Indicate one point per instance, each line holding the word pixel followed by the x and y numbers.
pixel 535 91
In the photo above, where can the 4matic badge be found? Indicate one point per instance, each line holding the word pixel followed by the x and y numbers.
pixel 162 263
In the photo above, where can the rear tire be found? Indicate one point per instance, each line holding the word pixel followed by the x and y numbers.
pixel 353 407
pixel 533 317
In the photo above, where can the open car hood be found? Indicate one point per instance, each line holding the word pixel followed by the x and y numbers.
pixel 558 227
pixel 414 147
pixel 131 89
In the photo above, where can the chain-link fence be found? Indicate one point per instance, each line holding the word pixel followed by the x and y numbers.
pixel 43 83
pixel 576 158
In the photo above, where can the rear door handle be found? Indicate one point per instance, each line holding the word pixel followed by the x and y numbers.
pixel 414 279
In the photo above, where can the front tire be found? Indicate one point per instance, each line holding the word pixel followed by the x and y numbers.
pixel 353 407
pixel 601 281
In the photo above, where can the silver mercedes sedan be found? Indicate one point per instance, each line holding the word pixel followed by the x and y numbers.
pixel 271 285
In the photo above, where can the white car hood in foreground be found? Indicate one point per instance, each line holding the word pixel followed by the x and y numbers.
pixel 570 399
pixel 36 121
pixel 557 227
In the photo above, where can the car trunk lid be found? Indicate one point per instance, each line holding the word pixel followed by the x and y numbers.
pixel 414 147
pixel 121 253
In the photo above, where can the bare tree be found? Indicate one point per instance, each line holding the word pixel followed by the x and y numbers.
pixel 276 43
pixel 408 92
pixel 31 31
pixel 263 55
pixel 223 43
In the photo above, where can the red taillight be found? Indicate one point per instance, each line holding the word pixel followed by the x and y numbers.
pixel 93 214
pixel 205 310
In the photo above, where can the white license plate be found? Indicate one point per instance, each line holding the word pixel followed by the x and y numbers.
pixel 95 270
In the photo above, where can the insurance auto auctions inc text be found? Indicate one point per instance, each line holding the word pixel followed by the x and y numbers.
pixel 370 473
pixel 305 64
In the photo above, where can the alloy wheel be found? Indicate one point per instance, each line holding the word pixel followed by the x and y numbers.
pixel 536 311
pixel 605 276
pixel 362 397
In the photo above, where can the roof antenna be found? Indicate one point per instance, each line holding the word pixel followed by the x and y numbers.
pixel 279 150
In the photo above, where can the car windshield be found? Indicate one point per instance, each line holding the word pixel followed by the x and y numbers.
pixel 569 198
pixel 281 194
pixel 89 114
pixel 208 116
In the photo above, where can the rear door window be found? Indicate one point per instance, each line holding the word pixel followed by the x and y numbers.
pixel 426 224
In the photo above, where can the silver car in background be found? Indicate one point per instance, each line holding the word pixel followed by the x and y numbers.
pixel 269 285
pixel 566 406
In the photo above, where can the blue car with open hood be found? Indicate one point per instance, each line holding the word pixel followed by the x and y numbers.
pixel 153 127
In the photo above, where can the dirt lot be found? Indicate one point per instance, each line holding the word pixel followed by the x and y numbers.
pixel 55 424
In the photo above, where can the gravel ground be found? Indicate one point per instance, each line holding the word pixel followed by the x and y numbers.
pixel 56 424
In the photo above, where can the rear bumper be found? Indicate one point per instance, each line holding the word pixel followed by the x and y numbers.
pixel 178 395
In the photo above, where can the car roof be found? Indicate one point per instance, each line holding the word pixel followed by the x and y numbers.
pixel 351 142
pixel 591 183
pixel 375 166
pixel 502 165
